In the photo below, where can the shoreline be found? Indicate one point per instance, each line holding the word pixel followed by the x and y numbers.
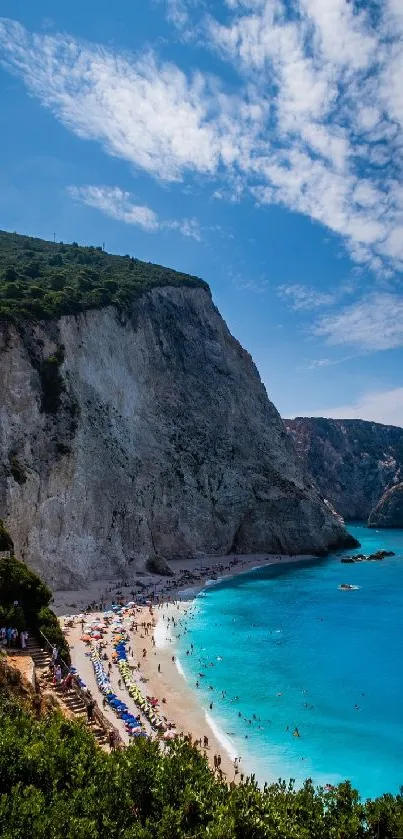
pixel 190 577
pixel 160 669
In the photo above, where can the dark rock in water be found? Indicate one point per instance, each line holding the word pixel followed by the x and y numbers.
pixel 389 511
pixel 371 557
pixel 158 565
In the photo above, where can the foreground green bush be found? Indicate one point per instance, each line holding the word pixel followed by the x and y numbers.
pixel 56 783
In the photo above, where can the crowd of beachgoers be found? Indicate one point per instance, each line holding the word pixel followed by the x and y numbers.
pixel 117 642
pixel 131 677
pixel 11 637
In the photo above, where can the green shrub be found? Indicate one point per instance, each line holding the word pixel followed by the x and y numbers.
pixel 6 543
pixel 56 782
pixel 49 625
pixel 19 583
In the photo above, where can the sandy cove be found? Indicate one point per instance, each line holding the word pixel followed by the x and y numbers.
pixel 189 576
pixel 156 673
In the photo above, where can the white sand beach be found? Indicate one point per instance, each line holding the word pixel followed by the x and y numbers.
pixel 151 649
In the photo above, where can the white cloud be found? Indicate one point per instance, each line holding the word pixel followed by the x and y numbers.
pixel 178 12
pixel 316 123
pixel 318 363
pixel 115 203
pixel 334 78
pixel 188 227
pixel 384 406
pixel 118 204
pixel 341 34
pixel 373 323
pixel 301 297
pixel 146 112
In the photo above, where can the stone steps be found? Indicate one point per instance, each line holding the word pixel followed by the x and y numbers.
pixel 70 701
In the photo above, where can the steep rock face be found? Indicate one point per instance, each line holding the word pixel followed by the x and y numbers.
pixel 351 462
pixel 389 510
pixel 122 438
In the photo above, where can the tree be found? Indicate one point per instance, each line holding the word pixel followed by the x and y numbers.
pixel 6 542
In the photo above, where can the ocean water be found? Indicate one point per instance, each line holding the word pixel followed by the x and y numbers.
pixel 291 651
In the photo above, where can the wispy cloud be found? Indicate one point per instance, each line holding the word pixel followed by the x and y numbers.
pixel 315 124
pixel 320 363
pixel 142 110
pixel 301 297
pixel 372 323
pixel 118 204
pixel 177 12
pixel 333 142
pixel 377 406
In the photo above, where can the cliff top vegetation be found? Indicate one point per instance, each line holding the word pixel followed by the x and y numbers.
pixel 41 280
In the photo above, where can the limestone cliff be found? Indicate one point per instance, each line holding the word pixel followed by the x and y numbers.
pixel 389 510
pixel 351 462
pixel 125 436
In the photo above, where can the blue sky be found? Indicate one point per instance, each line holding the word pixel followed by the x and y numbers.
pixel 255 143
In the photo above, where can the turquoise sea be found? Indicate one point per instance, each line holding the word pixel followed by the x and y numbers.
pixel 290 650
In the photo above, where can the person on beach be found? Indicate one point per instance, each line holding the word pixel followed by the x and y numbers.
pixel 90 711
pixel 67 682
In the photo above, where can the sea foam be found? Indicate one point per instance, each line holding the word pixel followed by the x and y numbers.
pixel 162 634
pixel 222 738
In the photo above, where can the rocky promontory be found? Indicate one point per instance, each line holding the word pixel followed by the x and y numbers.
pixel 139 429
pixel 389 510
pixel 351 462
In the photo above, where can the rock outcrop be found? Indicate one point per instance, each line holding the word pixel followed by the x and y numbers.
pixel 389 510
pixel 150 433
pixel 351 462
